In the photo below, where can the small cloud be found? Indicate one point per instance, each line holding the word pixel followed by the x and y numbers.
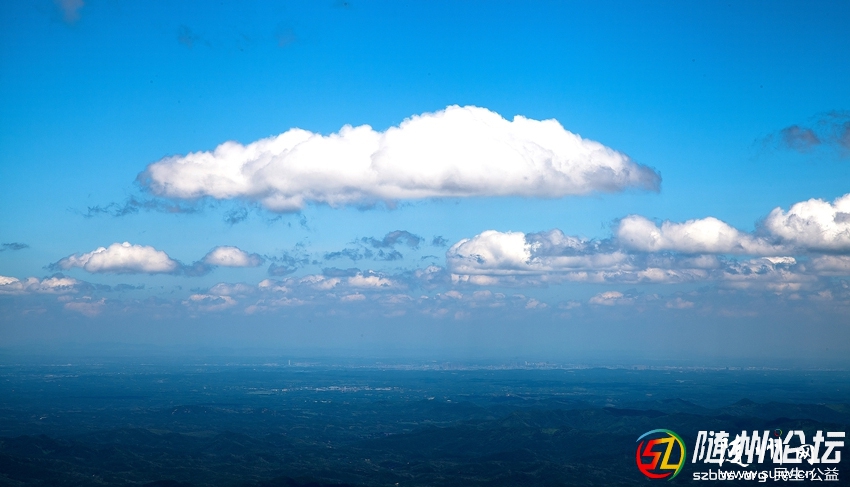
pixel 353 254
pixel 439 241
pixel 705 235
pixel 611 298
pixel 453 294
pixel 13 246
pixel 70 9
pixel 226 289
pixel 370 280
pixel 431 277
pixel 393 238
pixel 134 205
pixel 86 306
pixel 827 130
pixel 236 215
pixel 57 284
pixel 127 287
pixel 350 298
pixel 385 247
pixel 289 262
pixel 679 303
pixel 226 256
pixel 798 138
pixel 209 302
pixel 389 255
pixel 281 270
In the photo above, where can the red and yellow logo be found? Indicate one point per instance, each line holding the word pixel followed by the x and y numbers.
pixel 660 454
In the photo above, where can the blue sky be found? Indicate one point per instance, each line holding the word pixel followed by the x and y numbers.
pixel 697 121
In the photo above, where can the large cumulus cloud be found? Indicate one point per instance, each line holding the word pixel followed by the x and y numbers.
pixel 456 152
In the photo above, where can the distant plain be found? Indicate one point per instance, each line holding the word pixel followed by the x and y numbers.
pixel 302 422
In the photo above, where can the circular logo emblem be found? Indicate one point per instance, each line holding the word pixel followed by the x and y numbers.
pixel 660 454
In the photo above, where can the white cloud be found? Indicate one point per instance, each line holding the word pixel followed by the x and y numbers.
pixel 369 281
pixel 478 280
pixel 232 257
pixel 209 302
pixel 359 280
pixel 311 289
pixel 238 289
pixel 611 298
pixel 456 152
pixel 350 298
pixel 50 285
pixel 122 258
pixel 431 276
pixel 663 275
pixel 679 303
pixel 86 306
pixel 55 285
pixel 515 258
pixel 643 251
pixel 814 224
pixel 366 280
pixel 320 282
pixel 272 304
pixel 838 265
pixel 490 251
pixel 397 299
pixel 772 273
pixel 701 236
pixel 273 286
pixel 497 253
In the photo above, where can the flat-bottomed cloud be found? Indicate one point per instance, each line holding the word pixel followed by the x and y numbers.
pixel 456 152
pixel 705 235
pixel 227 256
pixel 122 258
